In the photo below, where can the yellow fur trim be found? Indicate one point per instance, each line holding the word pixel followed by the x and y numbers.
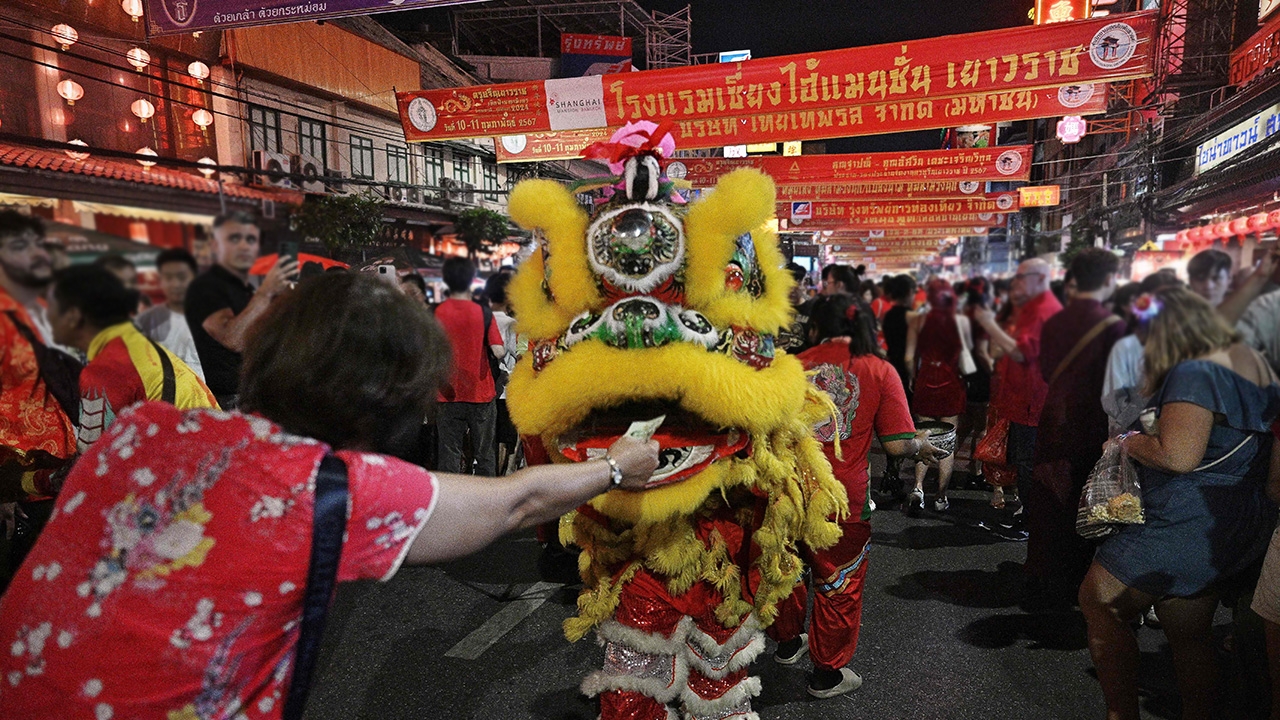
pixel 545 205
pixel 715 386
pixel 741 203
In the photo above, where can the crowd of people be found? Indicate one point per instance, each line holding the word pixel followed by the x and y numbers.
pixel 273 394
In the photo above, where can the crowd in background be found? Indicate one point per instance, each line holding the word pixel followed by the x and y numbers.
pixel 1035 374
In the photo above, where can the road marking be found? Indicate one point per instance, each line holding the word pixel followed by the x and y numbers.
pixel 502 622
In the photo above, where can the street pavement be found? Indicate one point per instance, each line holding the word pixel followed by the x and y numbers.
pixel 942 637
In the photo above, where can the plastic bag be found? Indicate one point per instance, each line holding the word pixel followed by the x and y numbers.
pixel 994 446
pixel 1112 495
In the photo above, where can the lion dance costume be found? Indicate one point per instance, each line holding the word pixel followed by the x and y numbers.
pixel 647 306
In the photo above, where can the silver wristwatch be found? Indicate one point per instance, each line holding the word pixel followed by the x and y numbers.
pixel 615 472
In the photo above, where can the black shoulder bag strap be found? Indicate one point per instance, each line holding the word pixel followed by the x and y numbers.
pixel 169 391
pixel 59 371
pixel 328 524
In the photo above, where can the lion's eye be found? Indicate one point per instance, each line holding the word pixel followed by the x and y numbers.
pixel 633 225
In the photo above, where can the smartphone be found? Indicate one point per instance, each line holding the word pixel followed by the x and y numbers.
pixel 289 249
pixel 388 273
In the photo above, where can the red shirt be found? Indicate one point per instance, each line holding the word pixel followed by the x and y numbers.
pixel 1019 396
pixel 32 424
pixel 869 399
pixel 463 321
pixel 169 583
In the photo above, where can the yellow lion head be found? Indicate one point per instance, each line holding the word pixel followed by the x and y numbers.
pixel 648 307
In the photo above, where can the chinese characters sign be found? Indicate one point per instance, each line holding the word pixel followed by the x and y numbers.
pixel 1040 195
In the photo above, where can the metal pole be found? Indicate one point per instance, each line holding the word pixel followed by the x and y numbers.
pixel 539 32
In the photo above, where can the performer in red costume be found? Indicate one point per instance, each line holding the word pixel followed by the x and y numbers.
pixel 846 364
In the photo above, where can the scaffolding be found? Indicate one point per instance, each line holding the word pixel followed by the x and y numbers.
pixel 532 28
pixel 1192 54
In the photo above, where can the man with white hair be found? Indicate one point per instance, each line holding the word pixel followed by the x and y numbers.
pixel 1020 392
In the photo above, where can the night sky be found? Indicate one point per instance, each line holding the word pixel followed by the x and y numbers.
pixel 773 27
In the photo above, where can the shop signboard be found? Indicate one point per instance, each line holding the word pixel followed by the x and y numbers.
pixel 582 55
pixel 1238 138
pixel 171 17
pixel 1257 55
pixel 1040 195
pixel 893 75
pixel 923 220
pixel 900 234
pixel 1056 11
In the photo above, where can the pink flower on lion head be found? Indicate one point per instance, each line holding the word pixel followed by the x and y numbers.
pixel 637 135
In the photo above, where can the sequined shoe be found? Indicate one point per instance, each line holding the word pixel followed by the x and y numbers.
pixel 849 681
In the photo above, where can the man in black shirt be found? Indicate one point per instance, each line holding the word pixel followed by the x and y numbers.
pixel 221 305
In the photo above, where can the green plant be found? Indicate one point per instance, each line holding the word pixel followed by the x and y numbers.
pixel 481 229
pixel 340 222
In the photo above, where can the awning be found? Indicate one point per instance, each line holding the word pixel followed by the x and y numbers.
pixel 14 199
pixel 142 213
pixel 84 245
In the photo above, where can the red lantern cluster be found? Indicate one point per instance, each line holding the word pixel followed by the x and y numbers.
pixel 1202 236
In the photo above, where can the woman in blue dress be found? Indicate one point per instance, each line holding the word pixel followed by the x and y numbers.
pixel 1203 462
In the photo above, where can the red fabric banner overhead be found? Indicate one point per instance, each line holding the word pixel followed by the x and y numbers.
pixel 901 190
pixel 924 220
pixel 1024 58
pixel 1004 202
pixel 839 122
pixel 1006 163
pixel 872 237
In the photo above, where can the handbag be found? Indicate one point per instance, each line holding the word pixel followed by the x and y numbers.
pixel 967 365
pixel 993 448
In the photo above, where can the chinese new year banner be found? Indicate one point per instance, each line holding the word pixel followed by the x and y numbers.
pixel 900 190
pixel 1025 58
pixel 1005 202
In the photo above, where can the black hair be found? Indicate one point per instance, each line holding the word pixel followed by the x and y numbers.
pixel 347 359
pixel 900 288
pixel 978 292
pixel 826 270
pixel 844 275
pixel 14 223
pixel 458 272
pixel 115 261
pixel 240 216
pixel 495 288
pixel 1208 263
pixel 173 255
pixel 97 293
pixel 414 278
pixel 1092 266
pixel 846 315
pixel 797 272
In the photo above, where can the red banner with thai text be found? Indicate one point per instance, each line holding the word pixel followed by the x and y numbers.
pixel 825 124
pixel 1005 202
pixel 900 190
pixel 999 61
pixel 1006 162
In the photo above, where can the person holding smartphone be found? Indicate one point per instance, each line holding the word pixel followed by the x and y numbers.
pixel 221 304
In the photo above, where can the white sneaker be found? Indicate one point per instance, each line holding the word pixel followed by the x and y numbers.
pixel 915 503
pixel 941 505
pixel 849 682
pixel 871 505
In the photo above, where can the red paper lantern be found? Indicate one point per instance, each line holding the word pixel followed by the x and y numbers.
pixel 1258 223
pixel 1222 230
pixel 1196 234
pixel 1240 226
pixel 1182 237
pixel 1273 218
